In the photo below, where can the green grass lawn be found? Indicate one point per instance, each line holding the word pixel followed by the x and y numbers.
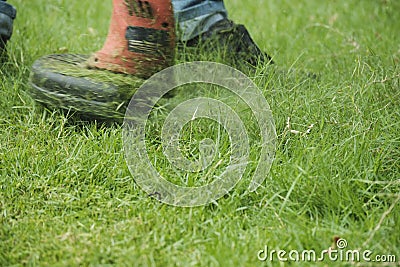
pixel 68 198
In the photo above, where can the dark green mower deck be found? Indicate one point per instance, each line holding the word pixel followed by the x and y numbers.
pixel 63 81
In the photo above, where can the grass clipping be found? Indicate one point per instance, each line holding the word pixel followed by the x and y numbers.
pixel 78 68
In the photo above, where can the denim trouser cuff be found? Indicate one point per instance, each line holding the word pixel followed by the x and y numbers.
pixel 7 9
pixel 195 17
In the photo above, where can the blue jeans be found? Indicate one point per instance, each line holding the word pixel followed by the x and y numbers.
pixel 7 14
pixel 194 17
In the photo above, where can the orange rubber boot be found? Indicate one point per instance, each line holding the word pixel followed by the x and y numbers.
pixel 141 38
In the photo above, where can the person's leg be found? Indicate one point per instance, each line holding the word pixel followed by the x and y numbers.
pixel 7 15
pixel 204 24
pixel 195 17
